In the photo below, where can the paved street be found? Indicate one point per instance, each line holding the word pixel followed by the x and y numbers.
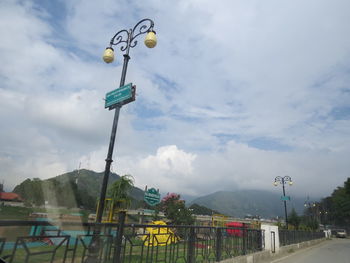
pixel 334 251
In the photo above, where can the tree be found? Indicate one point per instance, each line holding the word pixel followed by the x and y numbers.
pixel 347 186
pixel 120 192
pixel 335 209
pixel 175 210
pixel 202 210
pixel 341 201
pixel 294 219
pixel 31 191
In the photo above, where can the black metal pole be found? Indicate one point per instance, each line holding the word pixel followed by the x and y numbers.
pixel 191 248
pixel 283 181
pixel 285 203
pixel 119 239
pixel 109 159
pixel 95 244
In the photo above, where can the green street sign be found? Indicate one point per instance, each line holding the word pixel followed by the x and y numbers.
pixel 121 96
pixel 152 197
pixel 285 198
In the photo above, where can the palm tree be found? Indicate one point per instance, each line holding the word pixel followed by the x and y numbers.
pixel 120 192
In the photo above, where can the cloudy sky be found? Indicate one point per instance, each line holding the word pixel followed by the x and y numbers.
pixel 234 94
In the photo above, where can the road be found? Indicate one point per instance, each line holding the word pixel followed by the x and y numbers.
pixel 331 251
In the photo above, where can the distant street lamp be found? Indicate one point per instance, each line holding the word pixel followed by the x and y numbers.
pixel 323 217
pixel 312 209
pixel 127 40
pixel 283 181
pixel 309 205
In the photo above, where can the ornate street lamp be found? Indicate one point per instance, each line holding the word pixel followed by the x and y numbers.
pixel 126 39
pixel 283 181
pixel 309 207
pixel 312 208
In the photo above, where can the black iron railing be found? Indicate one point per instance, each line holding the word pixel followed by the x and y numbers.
pixel 188 243
pixel 288 237
pixel 43 241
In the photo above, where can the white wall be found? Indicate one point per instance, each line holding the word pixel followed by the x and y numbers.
pixel 271 232
pixel 10 203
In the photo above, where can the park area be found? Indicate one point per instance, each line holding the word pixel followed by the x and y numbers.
pixel 43 241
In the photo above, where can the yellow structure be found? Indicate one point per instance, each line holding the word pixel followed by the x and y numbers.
pixel 219 220
pixel 110 213
pixel 159 236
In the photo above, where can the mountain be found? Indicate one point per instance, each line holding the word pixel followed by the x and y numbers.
pixel 254 202
pixel 202 210
pixel 79 188
pixel 188 198
pixel 91 182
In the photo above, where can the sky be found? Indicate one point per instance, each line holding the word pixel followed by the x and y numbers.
pixel 234 94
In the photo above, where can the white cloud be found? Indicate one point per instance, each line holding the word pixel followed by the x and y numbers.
pixel 239 70
pixel 236 167
pixel 168 169
pixel 169 161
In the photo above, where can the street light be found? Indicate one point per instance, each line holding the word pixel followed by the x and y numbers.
pixel 313 209
pixel 127 40
pixel 323 217
pixel 308 203
pixel 283 181
pixel 308 206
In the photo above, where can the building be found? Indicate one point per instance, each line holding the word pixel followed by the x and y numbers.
pixel 11 199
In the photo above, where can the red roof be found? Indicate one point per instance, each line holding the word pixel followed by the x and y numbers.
pixel 10 196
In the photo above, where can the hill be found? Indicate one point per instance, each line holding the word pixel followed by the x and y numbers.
pixel 202 210
pixel 79 188
pixel 254 202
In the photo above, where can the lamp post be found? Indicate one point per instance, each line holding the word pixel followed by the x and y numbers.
pixel 314 210
pixel 283 181
pixel 126 39
pixel 323 217
pixel 309 206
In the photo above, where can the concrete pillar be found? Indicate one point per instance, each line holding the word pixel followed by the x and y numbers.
pixel 271 237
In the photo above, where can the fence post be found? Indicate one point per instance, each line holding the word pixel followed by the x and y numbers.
pixel 218 244
pixel 119 238
pixel 190 248
pixel 260 238
pixel 244 240
pixel 273 242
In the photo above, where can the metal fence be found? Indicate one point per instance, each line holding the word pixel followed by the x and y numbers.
pixel 188 243
pixel 288 237
pixel 33 241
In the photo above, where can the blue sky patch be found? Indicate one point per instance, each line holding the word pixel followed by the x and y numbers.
pixel 147 125
pixel 147 111
pixel 341 113
pixel 268 144
pixel 166 86
pixel 224 137
pixel 56 10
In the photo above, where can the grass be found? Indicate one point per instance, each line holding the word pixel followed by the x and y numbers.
pixel 135 254
pixel 45 255
pixel 14 213
pixel 23 213
pixel 135 251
